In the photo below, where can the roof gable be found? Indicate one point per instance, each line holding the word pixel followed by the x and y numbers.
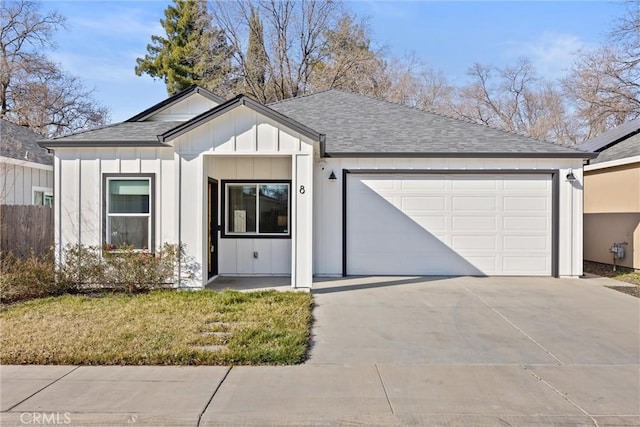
pixel 359 126
pixel 20 143
pixel 179 107
pixel 238 101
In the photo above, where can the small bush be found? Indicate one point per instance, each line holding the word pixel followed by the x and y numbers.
pixel 86 269
pixel 81 266
pixel 133 270
pixel 32 277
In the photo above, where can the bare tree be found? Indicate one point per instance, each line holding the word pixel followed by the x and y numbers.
pixel 515 99
pixel 604 83
pixel 308 45
pixel 413 83
pixel 34 92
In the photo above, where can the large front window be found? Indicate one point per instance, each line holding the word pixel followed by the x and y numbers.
pixel 128 212
pixel 257 209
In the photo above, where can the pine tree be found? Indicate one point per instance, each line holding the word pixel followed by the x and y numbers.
pixel 256 62
pixel 192 52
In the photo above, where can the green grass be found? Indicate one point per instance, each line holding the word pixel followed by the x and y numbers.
pixel 158 328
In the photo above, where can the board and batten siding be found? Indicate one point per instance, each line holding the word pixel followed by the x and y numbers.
pixel 185 109
pixel 243 144
pixel 328 201
pixel 235 256
pixel 17 181
pixel 79 193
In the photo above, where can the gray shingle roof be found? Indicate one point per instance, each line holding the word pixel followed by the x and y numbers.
pixel 125 132
pixel 356 124
pixel 20 143
pixel 612 136
pixel 626 148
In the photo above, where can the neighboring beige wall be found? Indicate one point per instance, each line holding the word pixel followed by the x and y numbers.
pixel 601 231
pixel 612 213
pixel 612 190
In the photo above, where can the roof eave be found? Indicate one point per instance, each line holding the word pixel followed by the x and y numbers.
pixel 576 155
pixel 48 144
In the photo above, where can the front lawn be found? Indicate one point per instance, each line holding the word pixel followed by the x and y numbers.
pixel 159 328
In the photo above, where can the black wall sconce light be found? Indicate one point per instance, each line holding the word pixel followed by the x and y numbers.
pixel 333 177
pixel 570 176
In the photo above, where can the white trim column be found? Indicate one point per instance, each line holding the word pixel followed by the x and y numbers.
pixel 302 221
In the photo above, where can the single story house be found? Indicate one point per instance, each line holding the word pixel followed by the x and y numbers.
pixel 612 196
pixel 330 184
pixel 26 169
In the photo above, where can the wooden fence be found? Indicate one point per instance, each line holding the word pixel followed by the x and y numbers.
pixel 25 229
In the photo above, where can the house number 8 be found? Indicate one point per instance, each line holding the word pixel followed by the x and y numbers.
pixel 302 190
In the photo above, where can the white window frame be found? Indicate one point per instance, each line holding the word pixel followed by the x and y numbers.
pixel 47 192
pixel 107 224
pixel 257 183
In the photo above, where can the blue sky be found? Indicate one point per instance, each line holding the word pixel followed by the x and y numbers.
pixel 104 38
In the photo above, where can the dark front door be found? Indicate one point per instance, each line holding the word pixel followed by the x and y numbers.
pixel 212 215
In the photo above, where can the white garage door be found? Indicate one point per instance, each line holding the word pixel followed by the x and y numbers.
pixel 449 224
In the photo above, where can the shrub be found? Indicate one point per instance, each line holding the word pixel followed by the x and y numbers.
pixel 81 266
pixel 86 268
pixel 122 268
pixel 31 277
pixel 131 270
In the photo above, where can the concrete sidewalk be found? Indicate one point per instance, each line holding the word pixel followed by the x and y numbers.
pixel 384 394
pixel 386 351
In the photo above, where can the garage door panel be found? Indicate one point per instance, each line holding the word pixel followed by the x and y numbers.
pixel 473 204
pixel 530 183
pixel 409 183
pixel 474 242
pixel 486 264
pixel 474 184
pixel 413 264
pixel 424 204
pixel 525 243
pixel 527 204
pixel 432 223
pixel 473 223
pixel 529 265
pixel 449 225
pixel 533 224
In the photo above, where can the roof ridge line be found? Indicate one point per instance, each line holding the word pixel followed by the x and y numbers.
pixel 305 95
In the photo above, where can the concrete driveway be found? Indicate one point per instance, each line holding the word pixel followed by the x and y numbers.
pixel 467 320
pixel 387 351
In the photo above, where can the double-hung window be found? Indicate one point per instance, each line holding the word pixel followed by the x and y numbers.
pixel 42 196
pixel 128 211
pixel 257 209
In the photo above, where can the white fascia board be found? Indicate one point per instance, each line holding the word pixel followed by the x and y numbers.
pixel 612 163
pixel 25 163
